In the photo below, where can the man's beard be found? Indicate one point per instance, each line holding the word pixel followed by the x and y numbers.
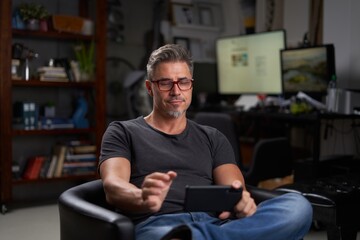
pixel 175 114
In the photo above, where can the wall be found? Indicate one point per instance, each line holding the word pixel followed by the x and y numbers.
pixel 341 26
pixel 296 21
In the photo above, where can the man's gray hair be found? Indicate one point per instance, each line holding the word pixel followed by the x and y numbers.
pixel 168 53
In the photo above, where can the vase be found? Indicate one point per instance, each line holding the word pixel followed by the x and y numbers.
pixel 85 76
pixel 32 24
pixel 43 25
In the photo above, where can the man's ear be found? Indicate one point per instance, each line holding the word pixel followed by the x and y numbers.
pixel 148 87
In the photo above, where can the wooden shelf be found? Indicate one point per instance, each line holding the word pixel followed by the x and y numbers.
pixel 55 179
pixel 50 34
pixel 69 131
pixel 37 83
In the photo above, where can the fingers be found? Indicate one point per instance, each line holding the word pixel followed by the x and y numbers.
pixel 246 207
pixel 236 184
pixel 172 174
pixel 155 188
pixel 224 215
pixel 158 179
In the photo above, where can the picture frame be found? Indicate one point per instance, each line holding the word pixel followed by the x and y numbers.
pixel 185 42
pixel 206 16
pixel 183 14
pixel 209 14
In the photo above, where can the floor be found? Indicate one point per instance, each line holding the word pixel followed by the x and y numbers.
pixel 42 223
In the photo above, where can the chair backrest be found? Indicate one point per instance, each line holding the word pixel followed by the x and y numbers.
pixel 138 101
pixel 225 124
pixel 272 158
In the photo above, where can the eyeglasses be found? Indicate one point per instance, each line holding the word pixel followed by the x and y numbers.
pixel 168 84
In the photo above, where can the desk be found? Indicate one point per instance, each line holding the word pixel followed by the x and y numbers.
pixel 287 121
pixel 280 123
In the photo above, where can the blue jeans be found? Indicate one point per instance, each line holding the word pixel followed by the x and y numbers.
pixel 287 217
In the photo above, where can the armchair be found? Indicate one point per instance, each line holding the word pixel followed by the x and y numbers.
pixel 85 214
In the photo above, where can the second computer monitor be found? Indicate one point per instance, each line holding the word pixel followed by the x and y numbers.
pixel 308 69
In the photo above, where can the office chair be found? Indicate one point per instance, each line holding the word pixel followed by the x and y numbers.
pixel 85 214
pixel 138 101
pixel 225 124
pixel 271 159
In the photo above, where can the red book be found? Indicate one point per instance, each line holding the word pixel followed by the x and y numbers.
pixel 34 167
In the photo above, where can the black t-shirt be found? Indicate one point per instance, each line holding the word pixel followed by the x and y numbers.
pixel 192 154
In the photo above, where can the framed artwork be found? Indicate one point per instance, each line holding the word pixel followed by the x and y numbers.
pixel 185 42
pixel 183 13
pixel 206 16
pixel 209 14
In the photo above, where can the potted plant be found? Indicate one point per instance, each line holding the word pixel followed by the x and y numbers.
pixel 85 58
pixel 32 14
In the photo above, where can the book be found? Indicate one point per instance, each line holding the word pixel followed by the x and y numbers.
pixel 60 153
pixel 53 164
pixel 33 167
pixel 25 115
pixel 81 149
pixel 45 167
pixel 81 157
pixel 50 69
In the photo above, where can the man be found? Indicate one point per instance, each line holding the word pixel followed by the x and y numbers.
pixel 146 163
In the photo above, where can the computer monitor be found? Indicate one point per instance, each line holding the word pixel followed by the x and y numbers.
pixel 250 64
pixel 205 77
pixel 205 83
pixel 308 69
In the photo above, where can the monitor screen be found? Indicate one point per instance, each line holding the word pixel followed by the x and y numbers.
pixel 307 69
pixel 205 78
pixel 250 64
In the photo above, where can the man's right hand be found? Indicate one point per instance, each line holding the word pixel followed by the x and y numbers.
pixel 155 188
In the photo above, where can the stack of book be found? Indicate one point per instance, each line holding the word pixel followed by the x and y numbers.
pixel 66 159
pixel 52 74
pixel 80 159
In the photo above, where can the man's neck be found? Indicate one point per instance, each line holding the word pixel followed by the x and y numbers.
pixel 167 124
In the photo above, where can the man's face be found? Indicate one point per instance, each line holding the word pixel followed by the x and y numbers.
pixel 174 102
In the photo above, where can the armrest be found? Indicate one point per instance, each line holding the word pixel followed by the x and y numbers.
pixel 260 194
pixel 84 215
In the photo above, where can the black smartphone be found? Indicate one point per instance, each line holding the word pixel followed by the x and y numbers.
pixel 214 198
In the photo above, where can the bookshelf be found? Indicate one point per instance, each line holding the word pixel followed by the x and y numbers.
pixel 9 89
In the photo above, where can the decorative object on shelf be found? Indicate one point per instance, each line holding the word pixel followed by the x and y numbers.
pixel 15 65
pixel 79 117
pixel 183 14
pixel 66 23
pixel 85 58
pixel 115 31
pixel 24 54
pixel 17 21
pixel 88 27
pixel 34 15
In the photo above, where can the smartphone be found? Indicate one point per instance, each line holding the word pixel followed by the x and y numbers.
pixel 214 198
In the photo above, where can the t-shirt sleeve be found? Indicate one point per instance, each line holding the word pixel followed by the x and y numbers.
pixel 115 142
pixel 223 151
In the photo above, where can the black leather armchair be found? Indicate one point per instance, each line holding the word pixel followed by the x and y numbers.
pixel 85 214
